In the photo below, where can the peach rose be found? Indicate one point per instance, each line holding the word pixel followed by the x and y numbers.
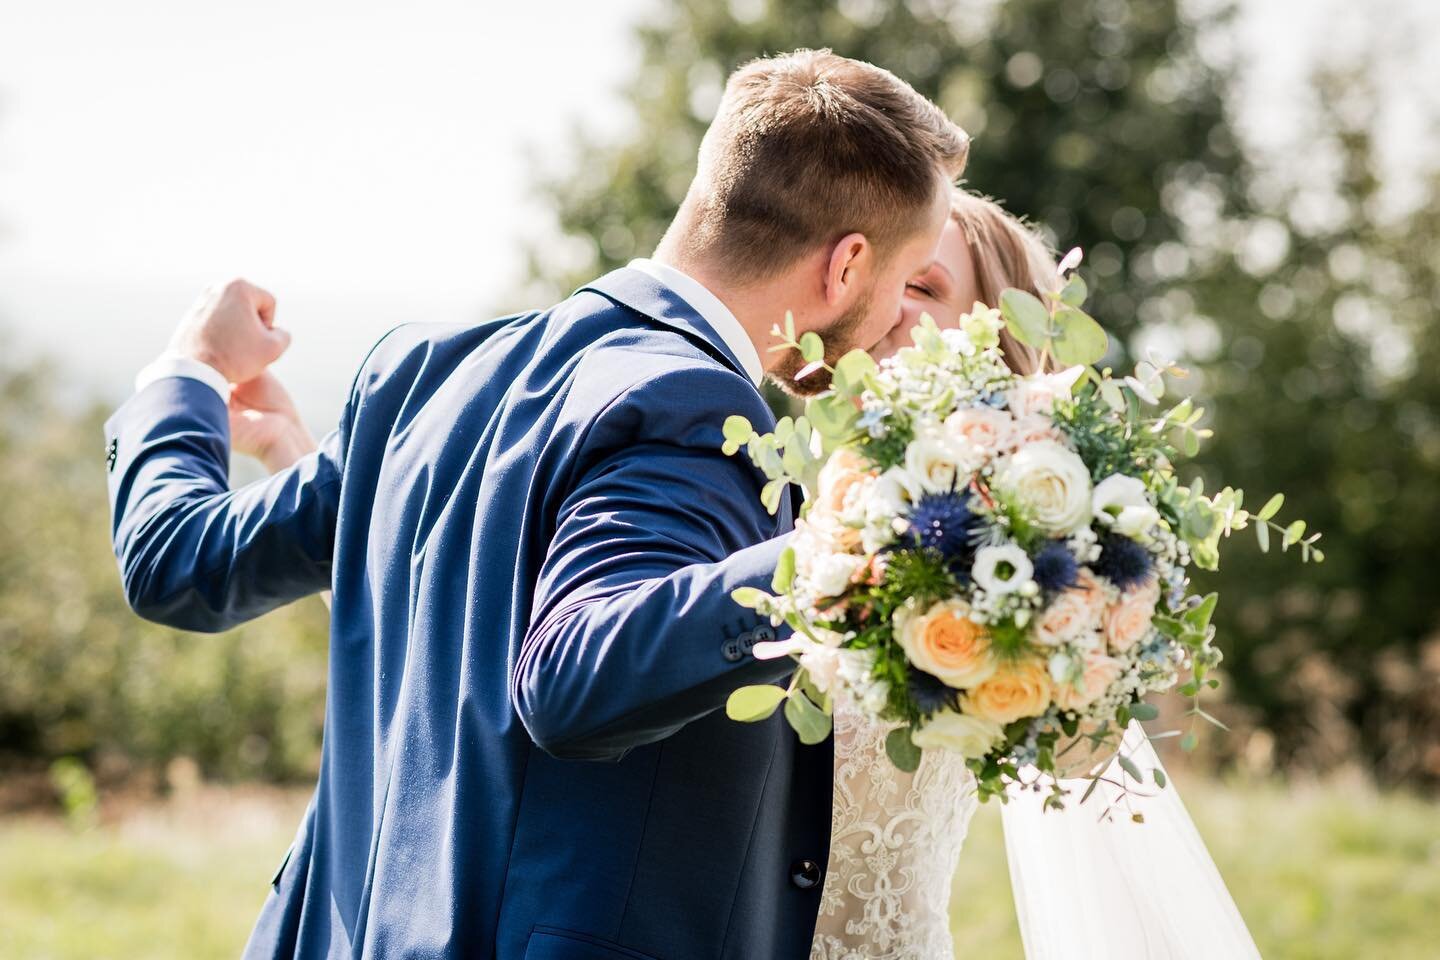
pixel 1096 594
pixel 842 481
pixel 1127 621
pixel 1068 617
pixel 1100 671
pixel 945 642
pixel 1033 429
pixel 985 429
pixel 1015 690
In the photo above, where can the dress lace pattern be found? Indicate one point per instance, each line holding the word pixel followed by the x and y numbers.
pixel 895 841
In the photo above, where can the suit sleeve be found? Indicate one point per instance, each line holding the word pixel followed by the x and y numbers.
pixel 634 630
pixel 193 553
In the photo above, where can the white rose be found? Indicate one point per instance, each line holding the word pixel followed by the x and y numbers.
pixel 989 561
pixel 968 736
pixel 1051 483
pixel 937 462
pixel 1122 503
pixel 886 501
pixel 831 573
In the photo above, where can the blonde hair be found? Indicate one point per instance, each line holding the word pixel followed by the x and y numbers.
pixel 807 147
pixel 1006 252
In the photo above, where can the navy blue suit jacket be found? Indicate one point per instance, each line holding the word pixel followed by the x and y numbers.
pixel 532 537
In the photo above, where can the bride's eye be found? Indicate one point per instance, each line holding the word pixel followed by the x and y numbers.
pixel 920 288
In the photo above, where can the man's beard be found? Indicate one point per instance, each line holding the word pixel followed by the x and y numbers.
pixel 839 338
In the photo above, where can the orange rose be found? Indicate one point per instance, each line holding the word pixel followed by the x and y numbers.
pixel 1014 691
pixel 945 642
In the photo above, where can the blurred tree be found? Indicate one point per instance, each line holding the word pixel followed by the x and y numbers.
pixel 82 675
pixel 1324 384
pixel 1083 112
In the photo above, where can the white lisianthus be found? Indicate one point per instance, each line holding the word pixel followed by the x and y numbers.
pixel 968 736
pixel 1038 392
pixel 822 663
pixel 937 462
pixel 1121 503
pixel 991 562
pixel 1051 483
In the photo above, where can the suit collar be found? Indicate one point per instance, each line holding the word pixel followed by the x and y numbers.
pixel 646 295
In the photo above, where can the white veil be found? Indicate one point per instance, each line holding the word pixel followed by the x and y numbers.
pixel 1087 889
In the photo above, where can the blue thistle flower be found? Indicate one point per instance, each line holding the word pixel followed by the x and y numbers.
pixel 1123 562
pixel 1055 567
pixel 943 522
pixel 929 693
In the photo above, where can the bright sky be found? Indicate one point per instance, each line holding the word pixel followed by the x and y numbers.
pixel 367 162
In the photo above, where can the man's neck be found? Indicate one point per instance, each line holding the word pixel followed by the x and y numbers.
pixel 753 307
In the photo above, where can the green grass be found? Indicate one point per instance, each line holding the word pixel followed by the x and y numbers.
pixel 1320 873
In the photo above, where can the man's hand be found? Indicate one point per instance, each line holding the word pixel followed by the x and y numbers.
pixel 232 328
pixel 264 423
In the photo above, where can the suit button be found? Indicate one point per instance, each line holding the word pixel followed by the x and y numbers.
pixel 747 642
pixel 763 633
pixel 731 650
pixel 805 874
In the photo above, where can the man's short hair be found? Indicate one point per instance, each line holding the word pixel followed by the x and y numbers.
pixel 807 147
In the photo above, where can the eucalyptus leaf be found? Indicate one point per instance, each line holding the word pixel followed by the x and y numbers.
pixel 1262 534
pixel 754 703
pixel 1026 317
pixel 1272 507
pixel 1079 340
pixel 749 597
pixel 810 722
pixel 902 750
pixel 850 371
pixel 812 348
pixel 1075 291
pixel 784 571
pixel 1129 767
pixel 1143 711
pixel 1159 776
pixel 771 493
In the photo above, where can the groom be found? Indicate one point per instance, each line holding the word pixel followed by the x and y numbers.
pixel 532 537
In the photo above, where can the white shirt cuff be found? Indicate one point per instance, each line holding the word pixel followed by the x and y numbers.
pixel 174 365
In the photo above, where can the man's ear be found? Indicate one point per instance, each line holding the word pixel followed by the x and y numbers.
pixel 851 260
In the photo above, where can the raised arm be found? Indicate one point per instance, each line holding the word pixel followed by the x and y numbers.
pixel 634 633
pixel 193 553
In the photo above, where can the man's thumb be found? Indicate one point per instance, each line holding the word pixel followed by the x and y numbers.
pixel 278 339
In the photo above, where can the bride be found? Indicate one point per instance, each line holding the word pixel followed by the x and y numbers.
pixel 1084 888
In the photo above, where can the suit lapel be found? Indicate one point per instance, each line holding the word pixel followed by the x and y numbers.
pixel 646 295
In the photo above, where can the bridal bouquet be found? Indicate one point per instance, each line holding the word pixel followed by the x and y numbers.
pixel 994 564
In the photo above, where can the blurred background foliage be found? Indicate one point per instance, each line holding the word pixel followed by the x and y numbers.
pixel 1300 295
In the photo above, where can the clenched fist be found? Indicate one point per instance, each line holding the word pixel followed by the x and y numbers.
pixel 232 328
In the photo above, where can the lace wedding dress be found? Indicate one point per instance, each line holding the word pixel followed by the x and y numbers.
pixel 894 845
pixel 1085 888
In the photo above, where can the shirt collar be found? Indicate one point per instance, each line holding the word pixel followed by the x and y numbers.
pixel 711 310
